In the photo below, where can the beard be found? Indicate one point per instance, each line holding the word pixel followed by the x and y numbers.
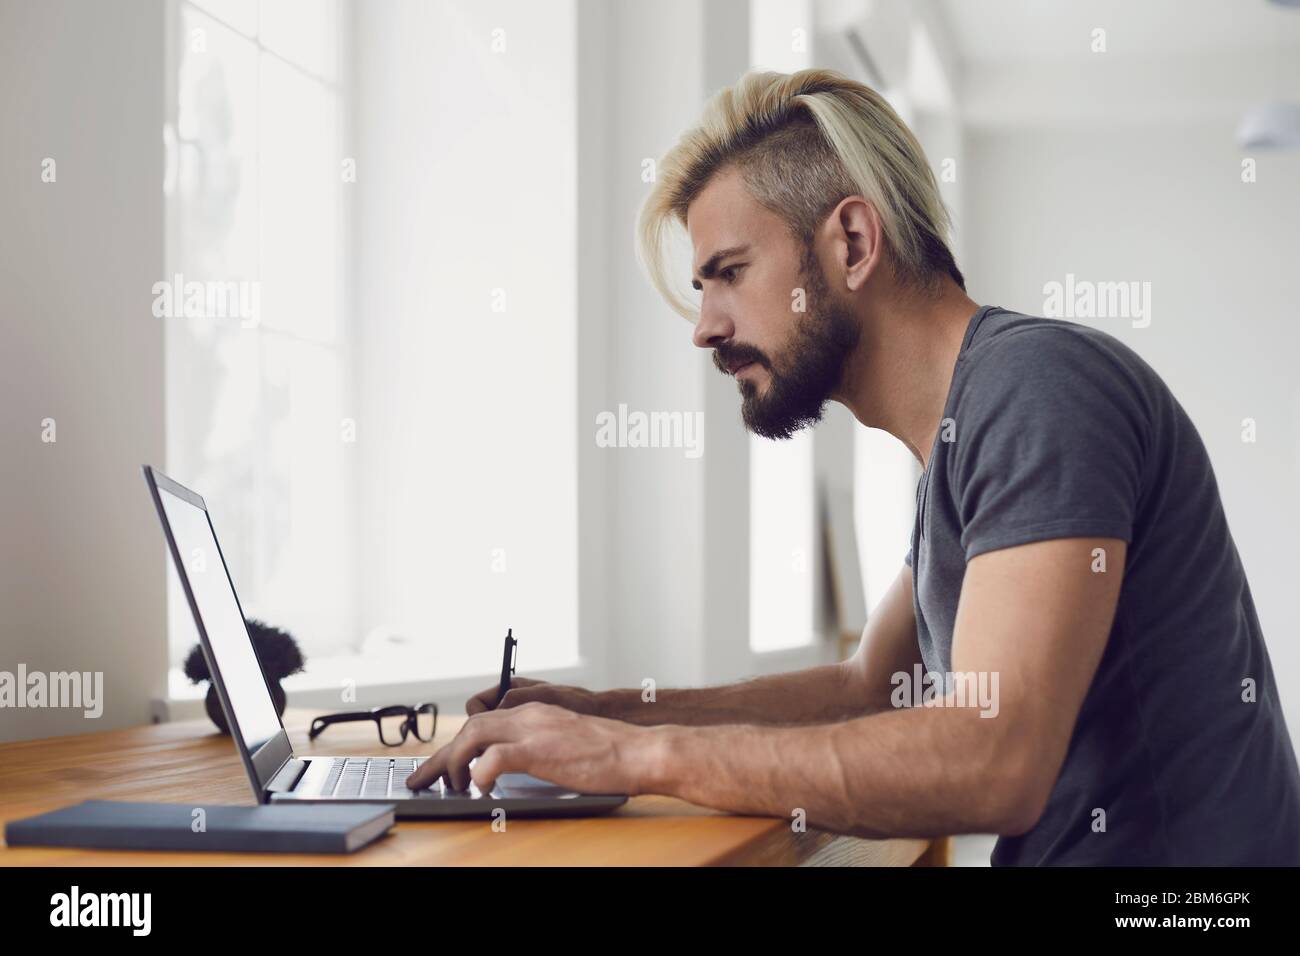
pixel 801 380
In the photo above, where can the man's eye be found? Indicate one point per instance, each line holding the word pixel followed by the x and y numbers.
pixel 729 274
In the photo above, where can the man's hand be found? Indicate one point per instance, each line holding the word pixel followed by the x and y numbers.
pixel 525 690
pixel 576 751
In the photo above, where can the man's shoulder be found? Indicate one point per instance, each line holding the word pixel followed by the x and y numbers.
pixel 1016 356
pixel 1004 336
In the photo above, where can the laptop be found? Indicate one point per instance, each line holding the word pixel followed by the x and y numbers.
pixel 276 773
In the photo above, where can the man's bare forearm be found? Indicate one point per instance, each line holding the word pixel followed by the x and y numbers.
pixel 817 695
pixel 908 772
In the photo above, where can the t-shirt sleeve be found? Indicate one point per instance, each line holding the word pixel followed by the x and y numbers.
pixel 1050 438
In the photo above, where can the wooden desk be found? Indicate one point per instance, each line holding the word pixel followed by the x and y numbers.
pixel 189 762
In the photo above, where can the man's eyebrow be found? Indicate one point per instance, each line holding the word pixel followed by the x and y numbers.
pixel 710 268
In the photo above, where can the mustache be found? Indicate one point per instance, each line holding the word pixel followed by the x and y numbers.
pixel 732 354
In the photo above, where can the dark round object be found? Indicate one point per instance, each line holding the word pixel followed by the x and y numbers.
pixel 213 705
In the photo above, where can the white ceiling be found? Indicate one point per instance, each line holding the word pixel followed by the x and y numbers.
pixel 1054 29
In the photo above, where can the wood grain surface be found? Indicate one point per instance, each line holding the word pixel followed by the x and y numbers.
pixel 189 762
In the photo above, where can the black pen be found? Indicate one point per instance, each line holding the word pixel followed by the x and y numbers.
pixel 507 665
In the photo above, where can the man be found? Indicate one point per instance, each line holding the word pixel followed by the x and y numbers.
pixel 1070 549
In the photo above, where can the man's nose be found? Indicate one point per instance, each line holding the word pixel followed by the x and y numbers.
pixel 713 328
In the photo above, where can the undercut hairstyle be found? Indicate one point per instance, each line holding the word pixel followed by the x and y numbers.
pixel 802 143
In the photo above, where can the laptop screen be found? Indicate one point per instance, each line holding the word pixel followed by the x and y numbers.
pixel 204 568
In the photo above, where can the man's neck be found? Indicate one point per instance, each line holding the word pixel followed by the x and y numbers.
pixel 898 377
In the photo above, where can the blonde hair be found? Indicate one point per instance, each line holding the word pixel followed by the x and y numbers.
pixel 803 141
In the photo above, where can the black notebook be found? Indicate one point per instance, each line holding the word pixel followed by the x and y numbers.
pixel 269 828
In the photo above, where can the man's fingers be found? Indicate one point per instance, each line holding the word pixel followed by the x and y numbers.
pixel 496 760
pixel 444 761
pixel 483 700
pixel 517 696
pixel 469 743
pixel 486 699
pixel 429 771
pixel 452 761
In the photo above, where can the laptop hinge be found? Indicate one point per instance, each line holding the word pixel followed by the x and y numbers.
pixel 287 777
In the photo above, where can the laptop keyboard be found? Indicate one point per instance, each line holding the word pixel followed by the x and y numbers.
pixel 384 778
pixel 369 777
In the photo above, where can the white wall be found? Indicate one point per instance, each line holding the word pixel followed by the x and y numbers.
pixel 82 573
pixel 678 538
pixel 1167 205
pixel 677 535
pixel 656 505
pixel 783 541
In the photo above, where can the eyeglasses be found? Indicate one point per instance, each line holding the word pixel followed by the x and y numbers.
pixel 394 723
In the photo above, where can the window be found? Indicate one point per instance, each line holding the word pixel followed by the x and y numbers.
pixel 884 507
pixel 390 451
pixel 258 381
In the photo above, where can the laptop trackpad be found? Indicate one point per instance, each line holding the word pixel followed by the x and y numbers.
pixel 526 785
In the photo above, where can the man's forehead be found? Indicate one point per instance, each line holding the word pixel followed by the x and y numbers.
pixel 725 216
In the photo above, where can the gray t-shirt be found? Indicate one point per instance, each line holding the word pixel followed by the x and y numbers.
pixel 1056 430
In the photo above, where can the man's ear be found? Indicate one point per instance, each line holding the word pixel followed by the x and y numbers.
pixel 856 238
